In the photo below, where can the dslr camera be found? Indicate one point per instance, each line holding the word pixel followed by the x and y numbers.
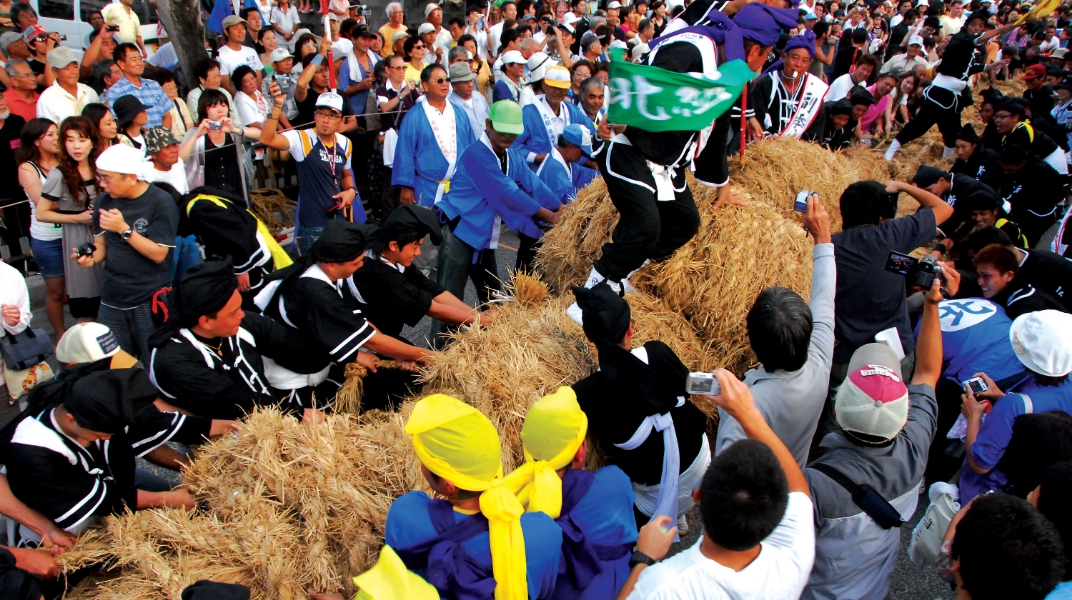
pixel 921 272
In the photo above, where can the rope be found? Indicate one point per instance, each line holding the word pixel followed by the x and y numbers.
pixel 348 398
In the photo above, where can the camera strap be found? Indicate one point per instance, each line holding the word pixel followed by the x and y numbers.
pixel 870 501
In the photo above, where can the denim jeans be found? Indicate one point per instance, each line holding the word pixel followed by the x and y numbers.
pixel 455 266
pixel 307 236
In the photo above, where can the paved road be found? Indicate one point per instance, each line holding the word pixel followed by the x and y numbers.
pixel 909 581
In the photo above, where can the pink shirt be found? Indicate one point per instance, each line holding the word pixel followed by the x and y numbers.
pixel 877 110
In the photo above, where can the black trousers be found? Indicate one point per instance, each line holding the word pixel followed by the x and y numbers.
pixel 1034 227
pixel 647 228
pixel 934 112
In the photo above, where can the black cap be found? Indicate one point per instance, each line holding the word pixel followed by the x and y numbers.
pixel 860 95
pixel 410 220
pixel 1014 154
pixel 126 108
pixel 927 176
pixel 983 199
pixel 967 133
pixel 839 107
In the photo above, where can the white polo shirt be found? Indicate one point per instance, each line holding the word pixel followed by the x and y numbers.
pixel 56 103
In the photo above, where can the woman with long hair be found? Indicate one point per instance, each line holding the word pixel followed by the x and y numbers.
pixel 268 40
pixel 37 154
pixel 897 109
pixel 67 197
pixel 106 131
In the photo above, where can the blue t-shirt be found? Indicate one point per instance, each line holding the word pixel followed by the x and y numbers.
pixel 1063 591
pixel 975 339
pixel 408 523
pixel 996 431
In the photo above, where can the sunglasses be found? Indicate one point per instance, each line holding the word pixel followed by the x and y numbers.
pixel 418 46
pixel 440 81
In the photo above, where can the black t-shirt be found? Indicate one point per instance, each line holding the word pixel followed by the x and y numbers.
pixel 130 278
pixel 1021 298
pixel 392 298
pixel 615 412
pixel 1041 100
pixel 897 36
pixel 957 60
pixel 1050 272
pixel 307 107
pixel 870 299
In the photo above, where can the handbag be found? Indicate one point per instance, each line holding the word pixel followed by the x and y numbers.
pixel 25 349
pixel 21 382
pixel 865 497
pixel 927 538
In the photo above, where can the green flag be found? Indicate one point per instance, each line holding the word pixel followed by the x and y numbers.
pixel 655 99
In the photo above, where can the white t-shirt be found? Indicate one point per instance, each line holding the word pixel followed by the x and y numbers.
pixel 780 572
pixel 495 43
pixel 252 110
pixel 176 177
pixel 840 88
pixel 232 59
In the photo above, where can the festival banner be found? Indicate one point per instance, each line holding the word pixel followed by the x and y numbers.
pixel 655 99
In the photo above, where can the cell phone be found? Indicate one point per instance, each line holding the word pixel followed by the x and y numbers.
pixel 975 385
pixel 703 384
pixel 800 204
pixel 902 264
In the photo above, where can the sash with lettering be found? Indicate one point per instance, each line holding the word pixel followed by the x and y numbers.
pixel 808 107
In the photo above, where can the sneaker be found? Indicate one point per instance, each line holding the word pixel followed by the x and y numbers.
pixel 574 311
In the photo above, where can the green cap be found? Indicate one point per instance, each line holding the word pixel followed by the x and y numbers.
pixel 506 117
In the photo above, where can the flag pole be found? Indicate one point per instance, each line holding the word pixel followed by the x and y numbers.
pixel 333 84
pixel 744 120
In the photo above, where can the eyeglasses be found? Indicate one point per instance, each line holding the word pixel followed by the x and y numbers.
pixel 327 114
pixel 440 81
pixel 1002 116
pixel 398 67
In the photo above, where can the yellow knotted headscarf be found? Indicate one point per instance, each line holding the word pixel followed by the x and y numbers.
pixel 389 579
pixel 553 431
pixel 458 443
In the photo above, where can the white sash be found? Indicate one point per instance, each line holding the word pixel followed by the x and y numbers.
pixel 811 101
pixel 551 123
pixel 667 496
pixel 448 143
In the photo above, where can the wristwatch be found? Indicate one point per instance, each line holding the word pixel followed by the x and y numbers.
pixel 639 558
pixel 129 231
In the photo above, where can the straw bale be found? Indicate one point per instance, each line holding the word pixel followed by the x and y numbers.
pixel 348 398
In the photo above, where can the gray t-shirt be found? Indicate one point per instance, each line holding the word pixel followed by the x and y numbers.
pixel 130 278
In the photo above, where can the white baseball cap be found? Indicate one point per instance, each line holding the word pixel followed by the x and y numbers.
pixel 90 342
pixel 429 8
pixel 330 100
pixel 1042 342
pixel 513 56
pixel 915 41
pixel 570 18
pixel 280 54
pixel 122 159
pixel 425 28
pixel 614 4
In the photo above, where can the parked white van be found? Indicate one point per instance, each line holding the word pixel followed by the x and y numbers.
pixel 71 18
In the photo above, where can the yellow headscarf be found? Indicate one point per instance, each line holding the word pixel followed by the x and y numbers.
pixel 458 443
pixel 389 579
pixel 553 431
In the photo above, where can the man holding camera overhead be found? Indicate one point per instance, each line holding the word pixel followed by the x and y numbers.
pixel 794 342
pixel 870 299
